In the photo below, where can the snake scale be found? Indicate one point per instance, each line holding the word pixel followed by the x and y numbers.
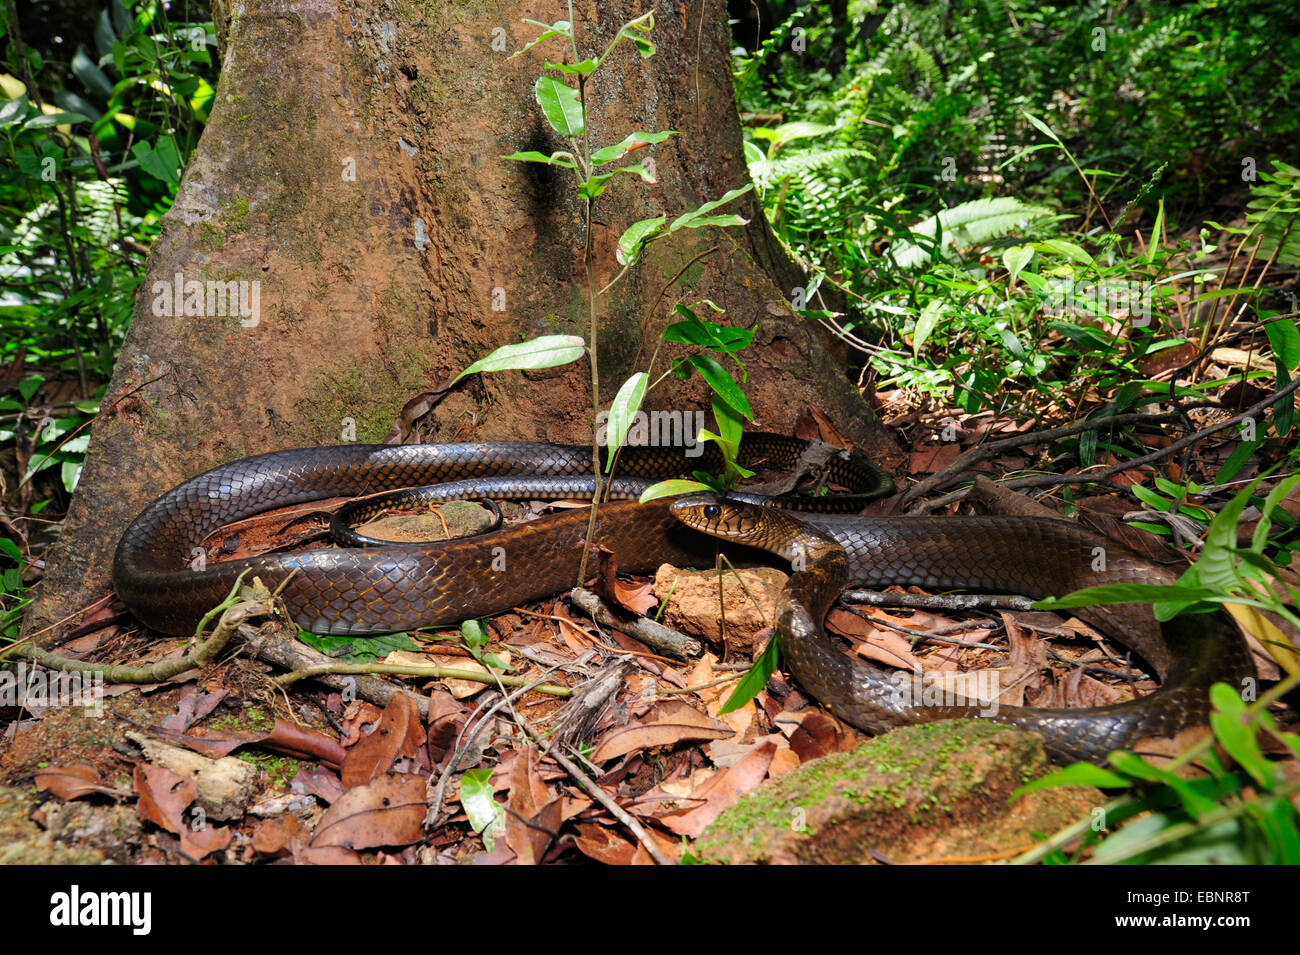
pixel 362 591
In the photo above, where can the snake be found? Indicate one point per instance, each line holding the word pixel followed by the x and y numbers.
pixel 164 576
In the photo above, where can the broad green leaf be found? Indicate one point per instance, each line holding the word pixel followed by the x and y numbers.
pixel 1016 258
pixel 548 351
pixel 631 142
pixel 730 425
pixel 1126 593
pixel 585 67
pixel 561 106
pixel 1237 736
pixel 635 237
pixel 926 322
pixel 13 111
pixel 1071 250
pixel 672 488
pixel 722 383
pixel 532 155
pixel 1076 774
pixel 55 119
pixel 621 413
pixel 1138 768
pixel 10 547
pixel 1285 339
pixel 686 218
pixel 597 184
pixel 696 331
pixel 91 75
pixel 485 814
pixel 755 678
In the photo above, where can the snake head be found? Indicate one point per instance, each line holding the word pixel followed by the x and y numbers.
pixel 763 527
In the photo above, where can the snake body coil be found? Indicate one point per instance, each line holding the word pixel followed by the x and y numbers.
pixel 386 589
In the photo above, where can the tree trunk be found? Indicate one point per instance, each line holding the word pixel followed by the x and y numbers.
pixel 350 179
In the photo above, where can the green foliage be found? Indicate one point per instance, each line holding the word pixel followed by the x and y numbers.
pixel 867 174
pixel 1242 816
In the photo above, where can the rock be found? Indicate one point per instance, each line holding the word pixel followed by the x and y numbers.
pixel 693 603
pixel 928 792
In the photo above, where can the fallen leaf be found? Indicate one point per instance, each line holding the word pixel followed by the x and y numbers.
pixel 388 811
pixel 70 782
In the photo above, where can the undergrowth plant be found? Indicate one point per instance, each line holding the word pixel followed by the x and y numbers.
pixel 1242 811
pixel 565 108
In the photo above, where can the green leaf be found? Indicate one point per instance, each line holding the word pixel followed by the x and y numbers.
pixel 1041 126
pixel 485 814
pixel 672 488
pixel 1138 768
pixel 548 351
pixel 14 111
pixel 755 678
pixel 10 547
pixel 585 67
pixel 635 237
pixel 722 383
pixel 638 31
pixel 597 184
pixel 95 79
pixel 1076 774
pixel 696 331
pixel 1236 461
pixel 558 28
pixel 685 220
pixel 561 106
pixel 476 636
pixel 30 385
pixel 934 310
pixel 161 161
pixel 621 413
pixel 632 141
pixel 1232 729
pixel 533 155
pixel 1126 593
pixel 1016 258
pixel 55 119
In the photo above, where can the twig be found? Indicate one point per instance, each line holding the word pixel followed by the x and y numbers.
pixel 434 673
pixel 991 449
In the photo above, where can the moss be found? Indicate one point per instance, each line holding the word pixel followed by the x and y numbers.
pixel 912 766
pixel 230 221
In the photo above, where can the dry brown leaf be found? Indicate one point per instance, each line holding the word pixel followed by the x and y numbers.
pixel 604 844
pixel 666 724
pixel 163 796
pixel 537 812
pixel 721 791
pixel 398 733
pixel 70 782
pixel 389 811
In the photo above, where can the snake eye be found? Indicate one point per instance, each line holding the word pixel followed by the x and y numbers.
pixel 712 511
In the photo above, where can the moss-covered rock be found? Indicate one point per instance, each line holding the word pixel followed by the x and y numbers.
pixel 934 791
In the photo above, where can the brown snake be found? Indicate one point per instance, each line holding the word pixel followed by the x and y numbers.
pixel 400 587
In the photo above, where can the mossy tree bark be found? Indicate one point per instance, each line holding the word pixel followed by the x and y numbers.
pixel 350 177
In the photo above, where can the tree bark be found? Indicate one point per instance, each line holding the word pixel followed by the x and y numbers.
pixel 350 174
